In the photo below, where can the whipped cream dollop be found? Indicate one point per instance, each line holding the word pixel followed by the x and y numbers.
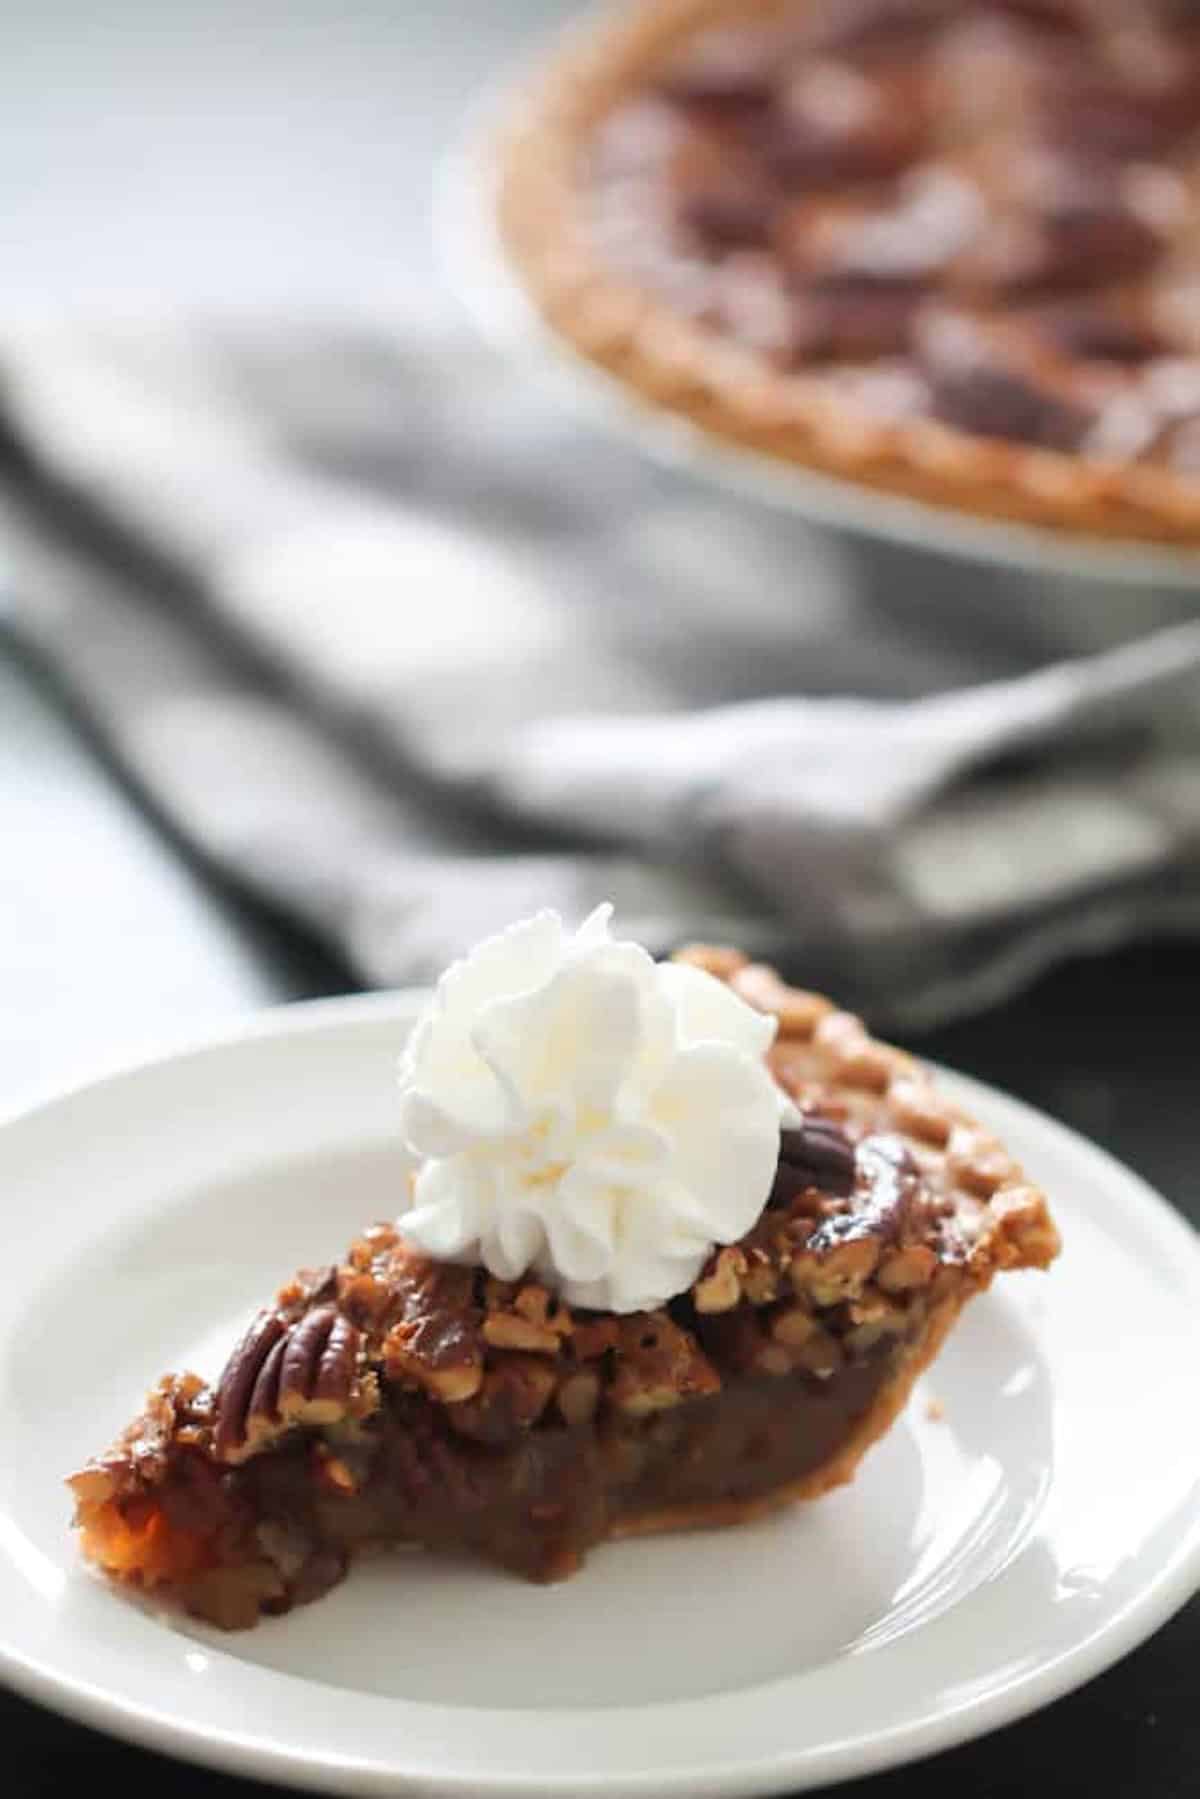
pixel 583 1112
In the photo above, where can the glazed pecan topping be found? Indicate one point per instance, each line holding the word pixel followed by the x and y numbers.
pixel 993 400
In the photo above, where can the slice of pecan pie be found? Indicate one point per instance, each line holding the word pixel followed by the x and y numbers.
pixel 947 248
pixel 396 1399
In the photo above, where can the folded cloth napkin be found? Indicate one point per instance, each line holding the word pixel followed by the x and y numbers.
pixel 403 648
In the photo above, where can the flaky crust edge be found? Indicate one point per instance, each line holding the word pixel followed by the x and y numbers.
pixel 839 1471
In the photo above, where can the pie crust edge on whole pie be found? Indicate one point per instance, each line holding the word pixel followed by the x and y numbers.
pixel 686 369
pixel 394 1399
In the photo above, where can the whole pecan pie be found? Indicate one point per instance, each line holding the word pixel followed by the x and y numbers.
pixel 946 248
pixel 391 1398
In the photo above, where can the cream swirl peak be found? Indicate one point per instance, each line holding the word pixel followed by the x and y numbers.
pixel 582 1111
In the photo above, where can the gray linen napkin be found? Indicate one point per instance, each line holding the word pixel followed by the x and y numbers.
pixel 408 652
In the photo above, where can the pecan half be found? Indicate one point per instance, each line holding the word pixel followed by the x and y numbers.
pixel 237 1383
pixel 282 1374
pixel 798 1012
pixel 887 1182
pixel 817 1153
pixel 318 1367
pixel 435 1341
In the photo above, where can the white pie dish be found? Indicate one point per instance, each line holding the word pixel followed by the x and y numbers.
pixel 986 1560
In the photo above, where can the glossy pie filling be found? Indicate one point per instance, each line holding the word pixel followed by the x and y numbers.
pixel 981 212
pixel 281 1530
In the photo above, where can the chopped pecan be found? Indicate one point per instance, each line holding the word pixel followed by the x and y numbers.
pixel 539 1306
pixel 721 963
pixel 528 1318
pixel 719 1287
pixel 833 1275
pixel 141 1456
pixel 1026 1235
pixel 504 1330
pixel 918 1110
pixel 308 1288
pixel 977 1162
pixel 578 1396
pixel 362 1297
pixel 372 1247
pixel 798 1012
pixel 659 1365
pixel 904 1269
pixel 873 1319
pixel 856 1057
pixel 873 1307
pixel 760 1283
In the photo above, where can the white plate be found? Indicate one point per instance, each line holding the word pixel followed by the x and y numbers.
pixel 496 298
pixel 981 1565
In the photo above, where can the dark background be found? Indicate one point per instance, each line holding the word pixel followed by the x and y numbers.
pixel 279 156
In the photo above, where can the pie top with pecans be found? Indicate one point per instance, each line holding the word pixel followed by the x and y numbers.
pixel 945 247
